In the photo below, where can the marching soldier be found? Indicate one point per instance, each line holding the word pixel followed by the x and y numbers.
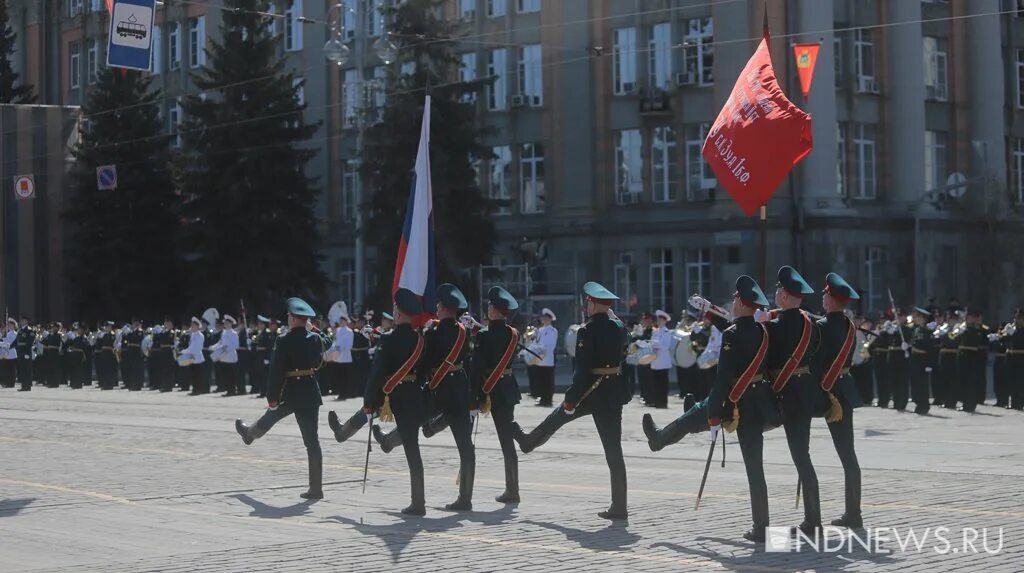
pixel 794 339
pixel 971 359
pixel 106 360
pixel 131 356
pixel 23 343
pixel 830 365
pixel 394 390
pixel 738 389
pixel 292 388
pixel 661 343
pixel 8 353
pixel 597 389
pixel 547 339
pixel 1015 359
pixel 922 360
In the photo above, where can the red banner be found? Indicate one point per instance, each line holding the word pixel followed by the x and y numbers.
pixel 759 135
pixel 806 58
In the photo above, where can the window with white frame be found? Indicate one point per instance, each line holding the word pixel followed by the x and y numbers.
pixel 174 46
pixel 840 159
pixel 700 180
pixel 625 281
pixel 300 91
pixel 934 160
pixel 497 91
pixel 864 162
pixel 467 73
pixel 197 42
pixel 664 179
pixel 349 22
pixel 935 71
pixel 874 271
pixel 467 8
pixel 350 88
pixel 659 65
pixel 349 189
pixel 499 180
pixel 293 26
pixel 92 60
pixel 524 6
pixel 837 58
pixel 531 78
pixel 496 8
pixel 531 178
pixel 699 51
pixel 157 62
pixel 74 64
pixel 629 165
pixel 1018 170
pixel 346 271
pixel 661 279
pixel 864 60
pixel 698 272
pixel 174 119
pixel 375 17
pixel 380 92
pixel 624 61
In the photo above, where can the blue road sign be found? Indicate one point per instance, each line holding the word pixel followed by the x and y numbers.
pixel 106 177
pixel 130 43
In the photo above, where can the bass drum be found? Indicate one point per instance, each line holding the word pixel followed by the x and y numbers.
pixel 570 340
pixel 683 355
pixel 645 353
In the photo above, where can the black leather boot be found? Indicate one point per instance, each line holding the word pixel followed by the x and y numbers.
pixel 658 439
pixel 249 433
pixel 419 504
pixel 345 431
pixel 316 479
pixel 511 494
pixel 465 500
pixel 434 426
pixel 388 441
pixel 688 402
pixel 542 433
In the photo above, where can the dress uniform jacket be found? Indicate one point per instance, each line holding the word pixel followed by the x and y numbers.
pixel 491 344
pixel 291 377
pixel 600 344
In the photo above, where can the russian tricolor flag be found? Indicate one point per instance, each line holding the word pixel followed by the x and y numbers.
pixel 414 267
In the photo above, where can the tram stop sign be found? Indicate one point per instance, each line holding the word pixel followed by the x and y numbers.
pixel 130 38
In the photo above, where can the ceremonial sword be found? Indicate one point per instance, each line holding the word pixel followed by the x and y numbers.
pixel 703 480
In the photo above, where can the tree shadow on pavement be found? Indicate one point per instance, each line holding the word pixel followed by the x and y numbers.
pixel 612 537
pixel 731 554
pixel 260 509
pixel 11 507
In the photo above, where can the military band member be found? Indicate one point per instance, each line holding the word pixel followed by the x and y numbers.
pixel 547 339
pixel 922 359
pixel 245 348
pixel 944 372
pixel 77 349
pixel 23 343
pixel 1000 384
pixel 686 377
pixel 597 389
pixel 339 362
pixel 106 360
pixel 263 345
pixel 643 371
pixel 8 353
pixel 131 356
pixel 879 348
pixel 1014 342
pixel 161 357
pixel 830 366
pixel 972 359
pixel 226 350
pixel 360 357
pixel 861 368
pixel 661 343
pixel 739 399
pixel 292 388
pixel 210 368
pixel 794 339
pixel 899 359
pixel 195 351
pixel 51 359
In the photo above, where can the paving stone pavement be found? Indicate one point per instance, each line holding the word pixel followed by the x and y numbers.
pixel 119 481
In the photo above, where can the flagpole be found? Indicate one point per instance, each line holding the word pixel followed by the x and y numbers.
pixel 764 245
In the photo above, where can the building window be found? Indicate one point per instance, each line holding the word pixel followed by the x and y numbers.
pixel 467 74
pixel 524 6
pixel 380 92
pixel 531 79
pixel 174 46
pixel 91 61
pixel 935 73
pixel 625 282
pixel 874 270
pixel 74 7
pixel 197 42
pixel 1020 78
pixel 174 117
pixel 349 189
pixel 660 56
pixel 663 164
pixel 350 90
pixel 74 64
pixel 837 59
pixel 499 180
pixel 864 162
pixel 699 51
pixel 698 272
pixel 497 96
pixel 346 270
pixel 840 159
pixel 700 180
pixel 934 160
pixel 864 61
pixel 157 63
pixel 629 165
pixel 624 61
pixel 293 26
pixel 661 279
pixel 375 17
pixel 467 9
pixel 496 8
pixel 1018 170
pixel 531 178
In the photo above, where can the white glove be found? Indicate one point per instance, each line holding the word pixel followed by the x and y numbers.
pixel 932 325
pixel 473 414
pixel 714 432
pixel 905 346
pixel 567 411
pixel 762 315
pixel 700 303
pixel 266 363
pixel 369 418
pixel 928 369
pixel 993 337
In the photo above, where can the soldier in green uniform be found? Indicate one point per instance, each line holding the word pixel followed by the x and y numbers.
pixel 597 389
pixel 292 388
pixel 971 359
pixel 161 357
pixel 394 388
pixel 51 371
pixel 922 359
pixel 1000 383
pixel 794 339
pixel 131 356
pixel 106 360
pixel 24 342
pixel 898 362
pixel 947 360
pixel 445 348
pixel 76 349
pixel 1014 342
pixel 360 360
pixel 830 367
pixel 879 348
pixel 738 388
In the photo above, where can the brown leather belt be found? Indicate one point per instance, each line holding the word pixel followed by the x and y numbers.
pixel 51 348
pixel 261 348
pixel 895 349
pixel 610 371
pixel 130 345
pixel 801 371
pixel 1000 354
pixel 917 351
pixel 75 350
pixel 948 351
pixel 455 368
pixel 971 348
pixel 300 373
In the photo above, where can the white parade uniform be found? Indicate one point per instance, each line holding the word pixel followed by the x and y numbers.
pixel 547 338
pixel 661 342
